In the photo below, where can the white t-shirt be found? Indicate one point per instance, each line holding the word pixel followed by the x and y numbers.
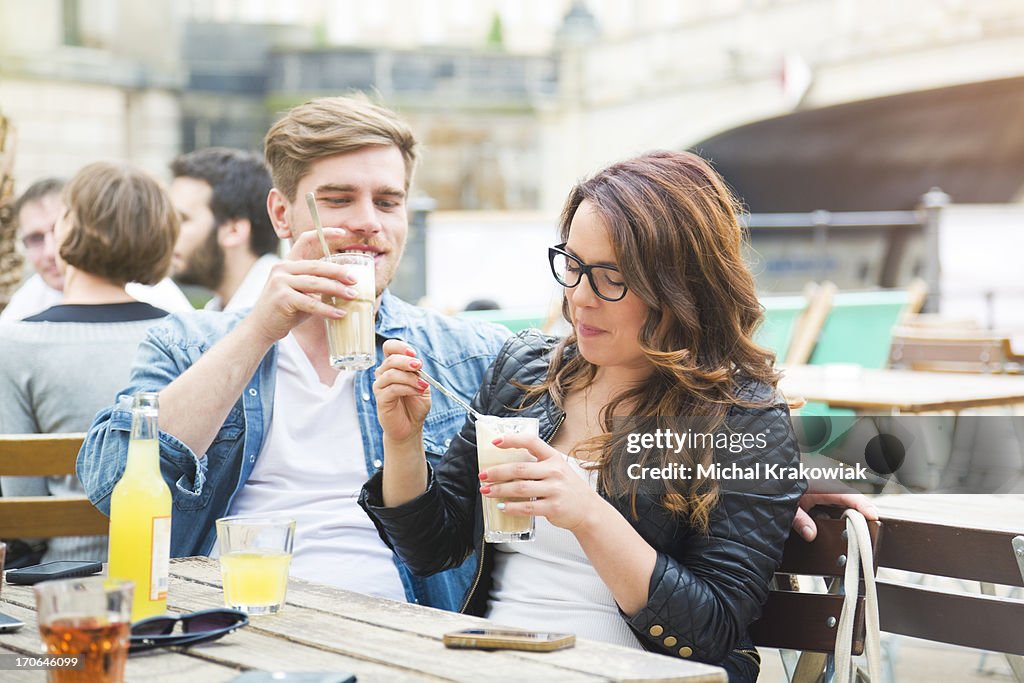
pixel 311 468
pixel 549 585
pixel 249 291
pixel 35 296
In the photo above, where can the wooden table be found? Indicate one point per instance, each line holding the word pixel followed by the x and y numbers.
pixel 899 391
pixel 327 629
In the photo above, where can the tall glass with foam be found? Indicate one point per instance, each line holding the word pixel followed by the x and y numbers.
pixel 350 341
pixel 501 527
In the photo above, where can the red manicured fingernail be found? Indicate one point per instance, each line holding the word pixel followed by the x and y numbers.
pixel 485 489
pixel 410 352
pixel 483 475
pixel 497 442
pixel 415 364
pixel 423 385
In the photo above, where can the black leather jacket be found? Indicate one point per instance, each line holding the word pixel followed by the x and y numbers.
pixel 706 589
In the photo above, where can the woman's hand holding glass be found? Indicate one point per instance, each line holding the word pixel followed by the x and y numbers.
pixel 559 493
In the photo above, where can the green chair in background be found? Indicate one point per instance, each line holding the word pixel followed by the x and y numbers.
pixel 781 314
pixel 792 323
pixel 515 319
pixel 859 328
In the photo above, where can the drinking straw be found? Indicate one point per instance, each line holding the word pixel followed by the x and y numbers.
pixel 311 201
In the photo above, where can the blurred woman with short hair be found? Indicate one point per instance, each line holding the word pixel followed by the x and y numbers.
pixel 60 366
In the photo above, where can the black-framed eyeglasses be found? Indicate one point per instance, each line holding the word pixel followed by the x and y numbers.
pixel 197 627
pixel 606 281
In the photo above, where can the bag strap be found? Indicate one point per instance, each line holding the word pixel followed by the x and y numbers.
pixel 860 561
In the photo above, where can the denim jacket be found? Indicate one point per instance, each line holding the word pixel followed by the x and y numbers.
pixel 456 351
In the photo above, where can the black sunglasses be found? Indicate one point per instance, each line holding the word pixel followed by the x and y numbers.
pixel 197 627
pixel 606 281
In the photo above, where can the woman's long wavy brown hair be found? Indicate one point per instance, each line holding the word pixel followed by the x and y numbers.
pixel 673 225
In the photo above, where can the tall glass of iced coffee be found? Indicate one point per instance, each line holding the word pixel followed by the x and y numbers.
pixel 499 526
pixel 350 340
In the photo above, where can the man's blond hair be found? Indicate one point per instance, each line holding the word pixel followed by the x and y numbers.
pixel 328 126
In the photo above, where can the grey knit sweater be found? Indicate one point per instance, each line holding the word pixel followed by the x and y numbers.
pixel 54 377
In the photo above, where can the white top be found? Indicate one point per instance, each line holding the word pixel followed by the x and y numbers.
pixel 35 296
pixel 549 585
pixel 249 291
pixel 311 469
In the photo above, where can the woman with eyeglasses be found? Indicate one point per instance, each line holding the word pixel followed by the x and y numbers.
pixel 659 374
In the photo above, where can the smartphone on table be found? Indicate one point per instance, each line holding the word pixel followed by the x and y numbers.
pixel 508 639
pixel 9 624
pixel 48 571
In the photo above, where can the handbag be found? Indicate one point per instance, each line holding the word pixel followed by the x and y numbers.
pixel 860 563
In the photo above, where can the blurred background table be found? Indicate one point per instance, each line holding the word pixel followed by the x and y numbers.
pixel 327 629
pixel 899 391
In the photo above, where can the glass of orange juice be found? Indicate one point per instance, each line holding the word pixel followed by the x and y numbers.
pixel 255 553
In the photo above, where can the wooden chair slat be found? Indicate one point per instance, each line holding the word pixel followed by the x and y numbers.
pixel 820 558
pixel 45 455
pixel 808 326
pixel 956 552
pixel 36 455
pixel 799 621
pixel 953 352
pixel 47 517
pixel 979 621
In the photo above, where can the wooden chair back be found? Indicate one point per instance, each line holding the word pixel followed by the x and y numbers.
pixel 928 322
pixel 969 351
pixel 917 292
pixel 986 622
pixel 47 455
pixel 808 326
pixel 794 620
pixel 808 621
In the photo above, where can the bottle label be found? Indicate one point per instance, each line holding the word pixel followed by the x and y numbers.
pixel 161 558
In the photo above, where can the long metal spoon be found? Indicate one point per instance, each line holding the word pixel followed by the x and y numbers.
pixel 440 387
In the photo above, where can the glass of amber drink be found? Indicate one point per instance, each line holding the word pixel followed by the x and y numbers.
pixel 255 555
pixel 84 625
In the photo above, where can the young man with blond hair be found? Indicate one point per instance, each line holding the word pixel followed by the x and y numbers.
pixel 253 418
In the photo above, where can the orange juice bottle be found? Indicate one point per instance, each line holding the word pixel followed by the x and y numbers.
pixel 140 515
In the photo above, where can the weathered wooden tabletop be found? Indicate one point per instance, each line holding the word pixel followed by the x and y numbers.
pixel 331 630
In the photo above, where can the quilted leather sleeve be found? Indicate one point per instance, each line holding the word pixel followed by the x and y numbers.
pixel 706 590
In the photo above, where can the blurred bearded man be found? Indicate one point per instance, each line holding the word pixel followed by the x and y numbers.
pixel 227 242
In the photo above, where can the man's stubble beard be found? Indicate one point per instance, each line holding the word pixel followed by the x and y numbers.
pixel 205 265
